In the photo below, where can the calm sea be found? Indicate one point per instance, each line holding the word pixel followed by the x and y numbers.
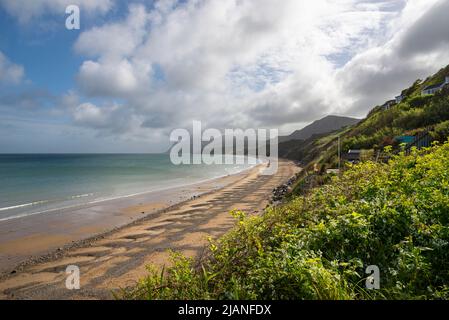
pixel 35 184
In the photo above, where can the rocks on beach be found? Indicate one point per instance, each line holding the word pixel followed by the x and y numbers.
pixel 280 192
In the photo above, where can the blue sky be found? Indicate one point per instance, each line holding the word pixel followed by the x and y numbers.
pixel 45 47
pixel 138 69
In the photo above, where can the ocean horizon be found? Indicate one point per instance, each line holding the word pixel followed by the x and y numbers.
pixel 34 184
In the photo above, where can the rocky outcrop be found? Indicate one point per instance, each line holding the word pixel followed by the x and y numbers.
pixel 283 190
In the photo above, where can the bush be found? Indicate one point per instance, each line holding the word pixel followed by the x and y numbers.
pixel 394 215
pixel 411 119
pixel 439 108
pixel 441 131
pixel 419 101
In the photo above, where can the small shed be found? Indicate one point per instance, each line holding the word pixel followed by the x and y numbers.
pixel 352 155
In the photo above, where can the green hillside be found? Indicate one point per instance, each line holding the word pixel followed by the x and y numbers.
pixel 416 114
pixel 393 215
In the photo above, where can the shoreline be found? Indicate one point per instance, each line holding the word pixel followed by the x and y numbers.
pixel 131 206
pixel 118 257
pixel 111 198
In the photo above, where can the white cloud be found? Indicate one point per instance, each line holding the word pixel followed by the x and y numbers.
pixel 115 40
pixel 90 114
pixel 417 49
pixel 25 10
pixel 228 63
pixel 115 73
pixel 116 79
pixel 10 73
pixel 248 63
pixel 100 118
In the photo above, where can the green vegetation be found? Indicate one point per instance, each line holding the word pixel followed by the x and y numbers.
pixel 394 215
pixel 441 131
pixel 416 113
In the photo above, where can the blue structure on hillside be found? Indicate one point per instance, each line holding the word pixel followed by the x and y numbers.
pixel 405 139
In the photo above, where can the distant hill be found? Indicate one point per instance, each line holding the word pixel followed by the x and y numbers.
pixel 325 125
pixel 294 145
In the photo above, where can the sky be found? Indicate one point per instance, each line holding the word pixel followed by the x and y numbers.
pixel 136 70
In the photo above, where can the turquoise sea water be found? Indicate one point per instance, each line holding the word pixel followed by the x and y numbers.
pixel 34 184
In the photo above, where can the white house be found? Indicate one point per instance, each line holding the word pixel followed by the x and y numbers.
pixel 399 98
pixel 435 88
pixel 388 105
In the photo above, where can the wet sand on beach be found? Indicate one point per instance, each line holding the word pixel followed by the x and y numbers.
pixel 146 228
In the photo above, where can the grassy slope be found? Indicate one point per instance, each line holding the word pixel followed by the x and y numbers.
pixel 414 114
pixel 394 215
pixel 379 129
pixel 317 246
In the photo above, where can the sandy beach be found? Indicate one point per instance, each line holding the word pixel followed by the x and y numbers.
pixel 113 242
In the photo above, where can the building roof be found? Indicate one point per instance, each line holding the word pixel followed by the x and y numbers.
pixel 388 104
pixel 405 139
pixel 435 86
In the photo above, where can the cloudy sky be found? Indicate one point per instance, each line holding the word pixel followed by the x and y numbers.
pixel 138 69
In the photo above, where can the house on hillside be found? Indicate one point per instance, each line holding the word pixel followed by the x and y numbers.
pixel 435 88
pixel 399 98
pixel 352 155
pixel 388 104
